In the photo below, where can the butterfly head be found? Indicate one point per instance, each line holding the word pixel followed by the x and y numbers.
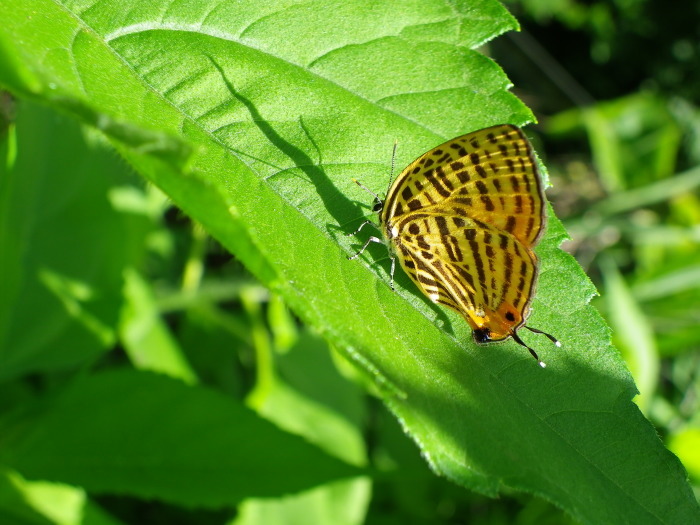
pixel 378 205
pixel 482 335
pixel 504 324
pixel 494 325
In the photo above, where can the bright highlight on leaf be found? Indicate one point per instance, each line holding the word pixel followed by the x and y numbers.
pixel 462 220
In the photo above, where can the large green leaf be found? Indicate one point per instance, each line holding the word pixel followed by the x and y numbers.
pixel 138 433
pixel 282 103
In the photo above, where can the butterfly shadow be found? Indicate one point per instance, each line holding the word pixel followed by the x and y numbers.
pixel 406 288
pixel 345 212
pixel 335 202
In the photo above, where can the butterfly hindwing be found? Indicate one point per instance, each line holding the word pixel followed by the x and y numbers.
pixel 485 274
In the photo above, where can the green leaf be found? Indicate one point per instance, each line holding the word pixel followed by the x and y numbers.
pixel 341 503
pixel 142 434
pixel 328 412
pixel 282 105
pixel 62 248
pixel 633 333
pixel 146 338
pixel 40 503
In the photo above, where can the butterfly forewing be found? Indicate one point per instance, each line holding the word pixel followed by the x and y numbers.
pixel 462 220
pixel 489 175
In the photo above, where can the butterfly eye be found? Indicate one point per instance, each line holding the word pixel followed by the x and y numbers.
pixel 482 335
pixel 378 205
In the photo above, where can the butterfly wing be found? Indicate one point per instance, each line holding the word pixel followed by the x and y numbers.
pixel 490 175
pixel 463 218
pixel 485 274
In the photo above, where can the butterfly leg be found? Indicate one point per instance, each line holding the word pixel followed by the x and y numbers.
pixel 391 272
pixel 360 228
pixel 364 247
pixel 370 240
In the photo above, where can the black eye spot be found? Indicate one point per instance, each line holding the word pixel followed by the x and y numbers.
pixel 377 206
pixel 510 316
pixel 482 335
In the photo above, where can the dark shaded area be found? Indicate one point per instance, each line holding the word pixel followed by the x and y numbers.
pixel 130 510
pixel 609 48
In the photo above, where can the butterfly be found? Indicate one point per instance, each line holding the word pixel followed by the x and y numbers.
pixel 462 219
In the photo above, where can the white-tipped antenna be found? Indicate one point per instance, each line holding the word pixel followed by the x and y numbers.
pixel 549 336
pixel 517 339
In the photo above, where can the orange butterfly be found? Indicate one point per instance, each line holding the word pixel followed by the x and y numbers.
pixel 462 220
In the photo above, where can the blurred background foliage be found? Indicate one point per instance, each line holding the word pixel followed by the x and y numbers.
pixel 615 86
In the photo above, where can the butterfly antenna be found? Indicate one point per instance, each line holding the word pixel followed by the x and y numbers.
pixel 517 339
pixel 393 159
pixel 551 337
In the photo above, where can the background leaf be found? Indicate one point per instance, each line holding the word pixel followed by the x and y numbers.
pixel 62 269
pixel 183 444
